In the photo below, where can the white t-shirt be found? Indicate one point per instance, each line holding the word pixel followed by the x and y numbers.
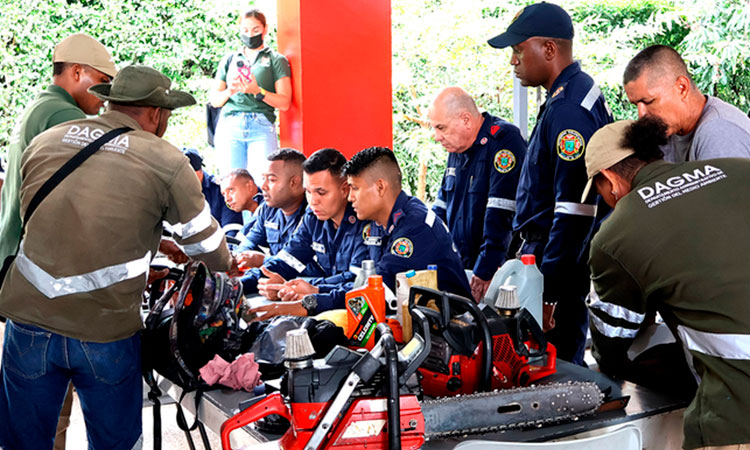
pixel 723 131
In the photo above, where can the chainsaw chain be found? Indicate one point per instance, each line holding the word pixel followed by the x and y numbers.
pixel 527 424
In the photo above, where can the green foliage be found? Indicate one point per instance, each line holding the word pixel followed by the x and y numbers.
pixel 436 43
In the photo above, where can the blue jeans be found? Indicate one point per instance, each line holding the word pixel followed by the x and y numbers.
pixel 36 368
pixel 244 141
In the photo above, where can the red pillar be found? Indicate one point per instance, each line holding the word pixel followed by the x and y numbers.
pixel 340 53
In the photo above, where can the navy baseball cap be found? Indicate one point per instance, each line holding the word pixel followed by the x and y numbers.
pixel 196 160
pixel 540 19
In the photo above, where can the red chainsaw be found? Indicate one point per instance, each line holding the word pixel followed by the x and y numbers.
pixel 370 400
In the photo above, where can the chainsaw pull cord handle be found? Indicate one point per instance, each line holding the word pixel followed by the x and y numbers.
pixel 525 325
pixel 463 304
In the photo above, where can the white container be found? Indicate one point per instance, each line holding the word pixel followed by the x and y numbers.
pixel 368 268
pixel 528 280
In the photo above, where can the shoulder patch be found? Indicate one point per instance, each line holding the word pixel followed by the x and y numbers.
pixel 505 161
pixel 494 129
pixel 402 247
pixel 570 145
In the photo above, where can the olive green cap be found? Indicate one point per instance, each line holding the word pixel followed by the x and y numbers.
pixel 142 86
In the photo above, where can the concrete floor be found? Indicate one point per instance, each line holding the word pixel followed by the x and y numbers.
pixel 172 437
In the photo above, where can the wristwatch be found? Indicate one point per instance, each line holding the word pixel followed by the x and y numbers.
pixel 260 95
pixel 310 303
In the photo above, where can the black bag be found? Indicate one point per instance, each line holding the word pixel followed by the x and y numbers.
pixel 213 113
pixel 59 175
pixel 177 342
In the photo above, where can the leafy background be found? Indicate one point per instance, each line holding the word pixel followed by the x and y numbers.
pixel 436 43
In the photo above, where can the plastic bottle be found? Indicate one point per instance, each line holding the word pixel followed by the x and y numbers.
pixel 526 277
pixel 368 268
pixel 365 309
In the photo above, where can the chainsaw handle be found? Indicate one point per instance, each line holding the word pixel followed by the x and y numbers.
pixel 272 404
pixel 448 303
pixel 421 327
pixel 526 325
pixel 425 295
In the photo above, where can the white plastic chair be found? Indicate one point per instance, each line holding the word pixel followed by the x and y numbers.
pixel 625 438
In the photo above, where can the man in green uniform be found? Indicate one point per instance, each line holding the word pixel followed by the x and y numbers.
pixel 73 294
pixel 676 243
pixel 79 61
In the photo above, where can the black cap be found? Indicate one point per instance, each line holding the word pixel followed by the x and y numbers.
pixel 196 160
pixel 540 19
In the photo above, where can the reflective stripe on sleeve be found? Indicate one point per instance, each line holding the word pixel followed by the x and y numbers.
pixel 501 203
pixel 591 97
pixel 578 209
pixel 231 227
pixel 293 262
pixel 207 245
pixel 440 204
pixel 616 311
pixel 610 331
pixel 720 345
pixel 102 278
pixel 195 225
pixel 430 219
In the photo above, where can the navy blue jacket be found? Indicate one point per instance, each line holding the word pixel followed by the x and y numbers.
pixel 414 238
pixel 477 199
pixel 337 251
pixel 272 229
pixel 548 202
pixel 230 221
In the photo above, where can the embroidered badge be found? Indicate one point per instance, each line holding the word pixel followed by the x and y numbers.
pixel 352 219
pixel 557 91
pixel 402 247
pixel 318 247
pixel 368 238
pixel 505 161
pixel 570 145
pixel 366 231
pixel 494 129
pixel 483 140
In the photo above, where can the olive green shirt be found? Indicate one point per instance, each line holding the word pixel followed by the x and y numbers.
pixel 268 67
pixel 52 107
pixel 82 266
pixel 678 243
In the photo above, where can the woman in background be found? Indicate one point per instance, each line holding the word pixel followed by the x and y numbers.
pixel 251 83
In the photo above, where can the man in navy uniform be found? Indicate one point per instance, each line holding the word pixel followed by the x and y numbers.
pixel 242 195
pixel 329 234
pixel 230 221
pixel 277 218
pixel 477 199
pixel 403 234
pixel 553 221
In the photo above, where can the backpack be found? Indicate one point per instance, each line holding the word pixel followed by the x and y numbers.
pixel 178 341
pixel 213 113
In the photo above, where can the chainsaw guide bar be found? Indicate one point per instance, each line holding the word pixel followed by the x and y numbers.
pixel 525 407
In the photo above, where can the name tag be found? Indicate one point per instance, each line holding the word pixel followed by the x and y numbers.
pixel 318 247
pixel 272 225
pixel 373 240
pixel 450 171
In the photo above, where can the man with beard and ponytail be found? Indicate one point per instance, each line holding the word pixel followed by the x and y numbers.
pixel 676 244
pixel 251 83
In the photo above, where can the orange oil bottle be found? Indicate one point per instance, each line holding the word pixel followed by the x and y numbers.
pixel 365 308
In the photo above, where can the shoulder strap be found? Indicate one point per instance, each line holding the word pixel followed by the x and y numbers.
pixel 66 169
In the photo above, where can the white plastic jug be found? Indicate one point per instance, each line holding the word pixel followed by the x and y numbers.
pixel 528 280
